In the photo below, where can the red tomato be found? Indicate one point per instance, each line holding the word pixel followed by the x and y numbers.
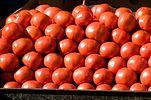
pixel 103 87
pixel 149 62
pixel 6 77
pixel 42 8
pixel 94 61
pixel 40 20
pixel 138 87
pixel 5 46
pixel 145 77
pixel 125 76
pixel 10 19
pixel 120 87
pixel 109 19
pixel 137 63
pixel 82 75
pixel 120 36
pixel 116 63
pixel 33 32
pixel 55 31
pixel 67 86
pixel 124 22
pixel 31 84
pixel 45 45
pixel 50 86
pixel 97 31
pixel 122 10
pixel 85 86
pixel 145 50
pixel 32 60
pixel 103 76
pixel 75 33
pixel 23 74
pixel 74 61
pixel 129 49
pixel 67 46
pixel 53 61
pixel 62 75
pixel 12 84
pixel 22 46
pixel 8 62
pixel 142 11
pixel 109 50
pixel 33 11
pixel 141 37
pixel 88 46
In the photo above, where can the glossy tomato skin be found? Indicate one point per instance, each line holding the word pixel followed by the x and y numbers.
pixel 149 62
pixel 31 84
pixel 109 50
pixel 120 87
pixel 97 31
pixel 52 11
pixel 23 74
pixel 122 10
pixel 33 11
pixel 67 86
pixel 22 46
pixel 142 11
pixel 94 61
pixel 145 77
pixel 6 77
pixel 45 45
pixel 8 62
pixel 5 46
pixel 10 18
pixel 145 50
pixel 88 46
pixel 138 87
pixel 50 86
pixel 62 75
pixel 53 61
pixel 82 75
pixel 85 86
pixel 42 8
pixel 103 87
pixel 12 84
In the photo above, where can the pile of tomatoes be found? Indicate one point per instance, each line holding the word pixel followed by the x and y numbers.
pixel 100 48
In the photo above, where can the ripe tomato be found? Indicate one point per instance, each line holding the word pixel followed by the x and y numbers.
pixel 23 74
pixel 74 61
pixel 116 63
pixel 12 84
pixel 8 62
pixel 94 61
pixel 145 77
pixel 120 36
pixel 145 50
pixel 22 46
pixel 62 75
pixel 109 50
pixel 53 61
pixel 120 87
pixel 122 10
pixel 75 33
pixel 124 20
pixel 129 49
pixel 97 31
pixel 45 45
pixel 55 31
pixel 82 75
pixel 103 87
pixel 31 84
pixel 88 46
pixel 149 62
pixel 67 86
pixel 33 11
pixel 138 87
pixel 42 8
pixel 125 76
pixel 6 77
pixel 85 86
pixel 5 46
pixel 67 46
pixel 10 18
pixel 50 86
pixel 142 11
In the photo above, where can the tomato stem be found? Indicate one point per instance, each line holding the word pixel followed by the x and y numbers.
pixel 83 2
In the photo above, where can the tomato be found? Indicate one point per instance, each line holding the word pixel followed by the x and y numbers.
pixel 149 62
pixel 116 63
pixel 64 18
pixel 10 18
pixel 97 31
pixel 53 61
pixel 109 19
pixel 94 61
pixel 45 45
pixel 33 60
pixel 23 74
pixel 40 20
pixel 67 46
pixel 67 86
pixel 8 62
pixel 22 46
pixel 55 31
pixel 50 86
pixel 140 37
pixel 6 77
pixel 33 32
pixel 103 87
pixel 120 36
pixel 142 11
pixel 85 86
pixel 138 87
pixel 124 20
pixel 88 46
pixel 12 84
pixel 145 77
pixel 122 10
pixel 120 87
pixel 42 8
pixel 5 46
pixel 33 11
pixel 82 75
pixel 75 33
pixel 145 50
pixel 31 84
pixel 74 61
pixel 109 50
pixel 62 75
pixel 129 49
pixel 125 76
